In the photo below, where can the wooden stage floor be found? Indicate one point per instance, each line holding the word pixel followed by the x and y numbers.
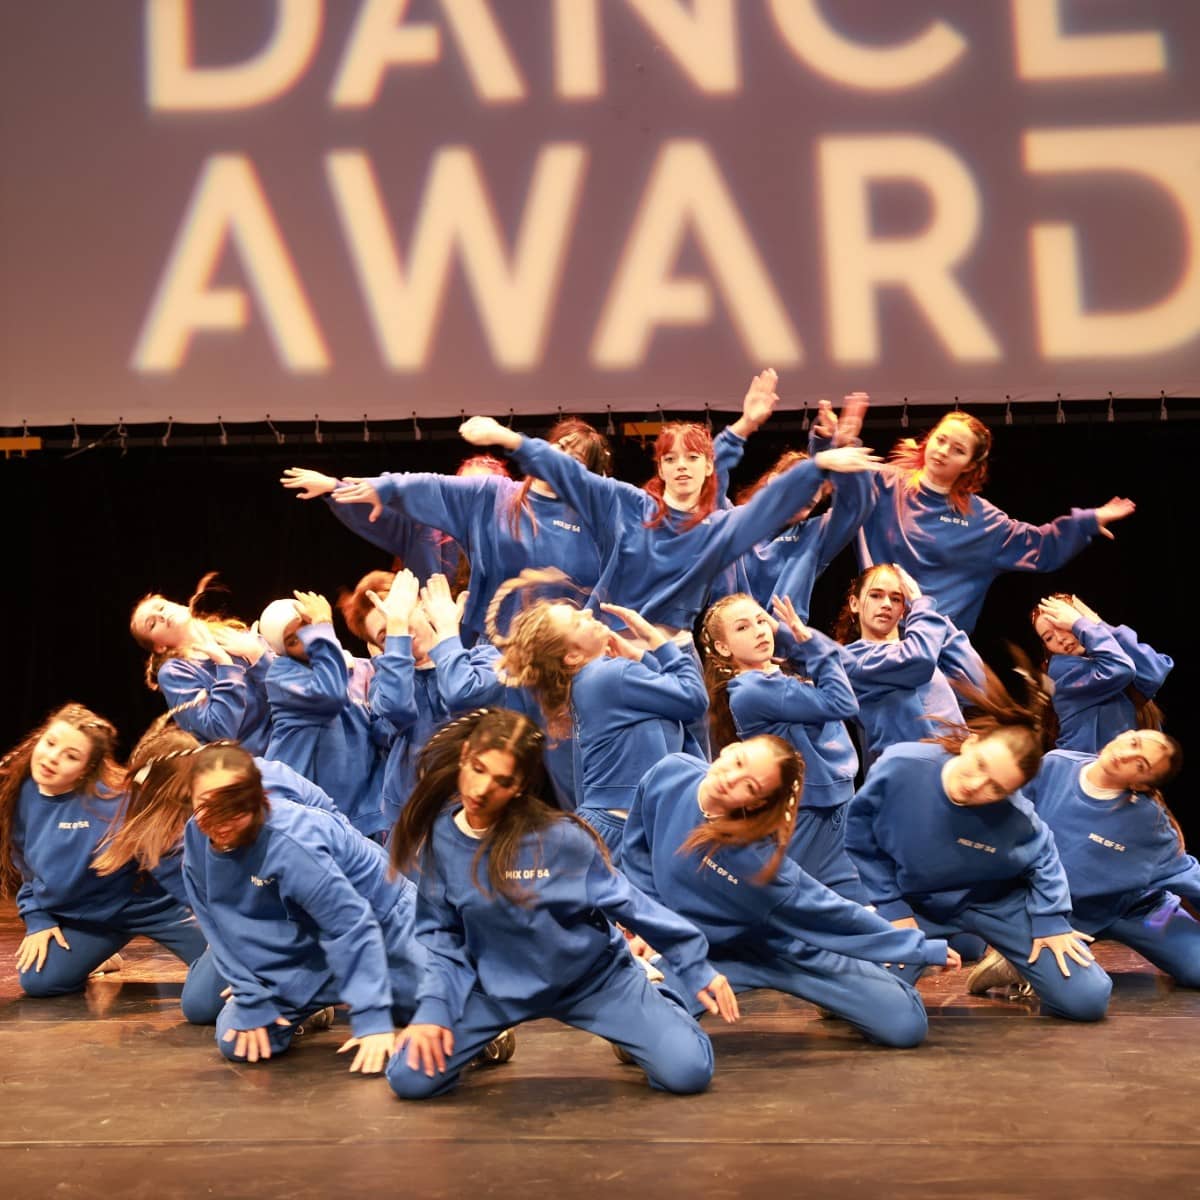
pixel 111 1094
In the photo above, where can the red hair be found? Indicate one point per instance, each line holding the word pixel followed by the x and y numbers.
pixel 909 457
pixel 690 437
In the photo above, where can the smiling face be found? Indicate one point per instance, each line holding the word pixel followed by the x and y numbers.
pixel 742 776
pixel 60 759
pixel 161 625
pixel 879 606
pixel 745 637
pixel 1135 759
pixel 487 781
pixel 983 772
pixel 950 450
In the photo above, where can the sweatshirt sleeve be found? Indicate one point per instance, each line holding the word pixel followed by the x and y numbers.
pixel 466 679
pixel 909 662
pixel 683 945
pixel 393 692
pixel 876 868
pixel 1049 899
pixel 812 913
pixel 728 449
pixel 391 531
pixel 221 712
pixel 348 933
pixel 452 503
pixel 674 690
pixel 828 695
pixel 636 861
pixel 1018 546
pixel 1151 668
pixel 854 496
pixel 449 973
pixel 318 690
pixel 37 920
pixel 1103 671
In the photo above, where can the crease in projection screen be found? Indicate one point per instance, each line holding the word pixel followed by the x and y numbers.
pixel 383 208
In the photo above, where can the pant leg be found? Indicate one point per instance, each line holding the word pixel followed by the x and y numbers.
pixel 1005 925
pixel 66 971
pixel 609 826
pixel 883 1007
pixel 202 1000
pixel 651 1023
pixel 483 1019
pixel 173 926
pixel 818 845
pixel 1164 934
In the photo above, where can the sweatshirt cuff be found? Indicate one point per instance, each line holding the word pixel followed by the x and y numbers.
pixel 38 921
pixel 1050 925
pixel 254 1014
pixel 935 952
pixel 385 489
pixel 366 1021
pixel 697 977
pixel 432 1010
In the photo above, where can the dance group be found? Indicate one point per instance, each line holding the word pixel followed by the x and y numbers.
pixel 598 766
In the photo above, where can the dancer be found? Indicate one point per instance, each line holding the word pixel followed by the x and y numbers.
pixel 300 913
pixel 1122 850
pixel 59 792
pixel 901 654
pixel 1104 679
pixel 710 842
pixel 929 519
pixel 512 898
pixel 218 668
pixel 941 832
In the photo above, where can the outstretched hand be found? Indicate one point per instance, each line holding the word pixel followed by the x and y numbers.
pixel 847 459
pixel 428 1047
pixel 485 431
pixel 373 1051
pixel 720 1000
pixel 1117 509
pixel 310 484
pixel 359 491
pixel 1071 945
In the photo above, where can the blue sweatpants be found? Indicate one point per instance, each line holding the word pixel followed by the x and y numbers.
pixel 609 826
pixel 1164 934
pixel 617 1002
pixel 818 845
pixel 162 920
pixel 863 993
pixel 1005 925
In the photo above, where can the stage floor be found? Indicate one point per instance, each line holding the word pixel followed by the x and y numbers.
pixel 110 1093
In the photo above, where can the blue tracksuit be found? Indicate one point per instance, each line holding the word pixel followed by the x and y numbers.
pixel 903 687
pixel 664 573
pixel 477 512
pixel 493 964
pixel 235 704
pixel 988 869
pixel 627 716
pixel 54 839
pixel 469 679
pixel 322 725
pixel 792 933
pixel 422 549
pixel 809 714
pixel 1126 866
pixel 1089 688
pixel 409 699
pixel 305 916
pixel 955 557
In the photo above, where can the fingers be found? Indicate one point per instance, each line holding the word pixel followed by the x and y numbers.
pixel 953 959
pixel 375 600
pixel 57 934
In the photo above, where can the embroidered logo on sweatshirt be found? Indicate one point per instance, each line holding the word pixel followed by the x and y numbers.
pixel 254 879
pixel 970 845
pixel 73 825
pixel 724 874
pixel 566 525
pixel 528 873
pixel 954 521
pixel 1105 842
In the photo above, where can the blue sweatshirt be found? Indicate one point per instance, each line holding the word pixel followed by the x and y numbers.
pixel 537 954
pixel 477 512
pixel 903 687
pixel 717 893
pixel 808 713
pixel 280 782
pixel 422 549
pixel 664 572
pixel 1118 853
pixel 1089 688
pixel 53 841
pixel 307 898
pixel 323 728
pixel 955 557
pixel 235 704
pixel 409 699
pixel 918 851
pixel 629 715
pixel 469 679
